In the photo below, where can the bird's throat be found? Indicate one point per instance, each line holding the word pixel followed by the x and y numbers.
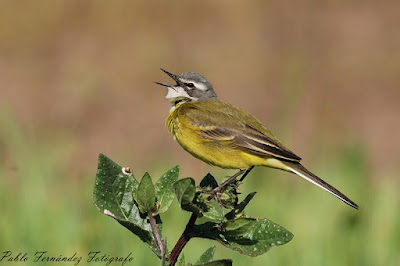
pixel 178 101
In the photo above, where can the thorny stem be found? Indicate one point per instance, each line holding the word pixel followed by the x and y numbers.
pixel 183 240
pixel 156 234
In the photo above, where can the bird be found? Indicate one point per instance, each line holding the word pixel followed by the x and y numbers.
pixel 226 136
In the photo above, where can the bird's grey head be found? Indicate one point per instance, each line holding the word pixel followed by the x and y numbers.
pixel 190 86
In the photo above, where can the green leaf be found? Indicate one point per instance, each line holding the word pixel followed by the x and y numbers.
pixel 113 196
pixel 214 211
pixel 238 227
pixel 207 256
pixel 238 211
pixel 146 195
pixel 181 260
pixel 185 191
pixel 135 187
pixel 249 239
pixel 164 190
pixel 208 182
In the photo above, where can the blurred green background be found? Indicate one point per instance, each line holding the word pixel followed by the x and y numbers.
pixel 76 80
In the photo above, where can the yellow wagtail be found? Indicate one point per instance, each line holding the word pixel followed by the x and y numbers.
pixel 223 135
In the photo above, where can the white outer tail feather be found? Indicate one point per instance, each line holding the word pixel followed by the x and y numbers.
pixel 303 173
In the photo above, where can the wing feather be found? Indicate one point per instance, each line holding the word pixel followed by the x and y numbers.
pixel 226 123
pixel 260 145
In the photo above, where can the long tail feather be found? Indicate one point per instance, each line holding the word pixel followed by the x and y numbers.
pixel 300 170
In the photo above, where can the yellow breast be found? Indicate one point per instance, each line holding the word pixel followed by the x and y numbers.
pixel 219 153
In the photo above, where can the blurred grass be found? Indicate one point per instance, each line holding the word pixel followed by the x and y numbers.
pixel 43 210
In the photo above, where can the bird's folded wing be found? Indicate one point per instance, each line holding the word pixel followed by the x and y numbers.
pixel 226 123
pixel 250 140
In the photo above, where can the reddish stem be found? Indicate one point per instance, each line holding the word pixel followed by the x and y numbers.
pixel 183 240
pixel 156 234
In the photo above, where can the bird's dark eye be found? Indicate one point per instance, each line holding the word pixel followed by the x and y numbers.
pixel 190 85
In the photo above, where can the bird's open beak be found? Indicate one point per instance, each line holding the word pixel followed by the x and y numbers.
pixel 174 77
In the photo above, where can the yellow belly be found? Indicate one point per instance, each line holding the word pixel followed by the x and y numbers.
pixel 218 153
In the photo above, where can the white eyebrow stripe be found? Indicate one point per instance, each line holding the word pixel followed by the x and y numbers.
pixel 199 86
pixel 186 81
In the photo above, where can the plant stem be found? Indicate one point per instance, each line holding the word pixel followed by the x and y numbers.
pixel 183 240
pixel 189 230
pixel 156 234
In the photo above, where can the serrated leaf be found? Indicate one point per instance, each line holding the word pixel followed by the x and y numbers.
pixel 257 240
pixel 146 195
pixel 164 189
pixel 113 196
pixel 238 211
pixel 207 256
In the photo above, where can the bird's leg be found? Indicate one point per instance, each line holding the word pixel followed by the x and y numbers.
pixel 228 181
pixel 216 192
pixel 246 173
pixel 232 178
